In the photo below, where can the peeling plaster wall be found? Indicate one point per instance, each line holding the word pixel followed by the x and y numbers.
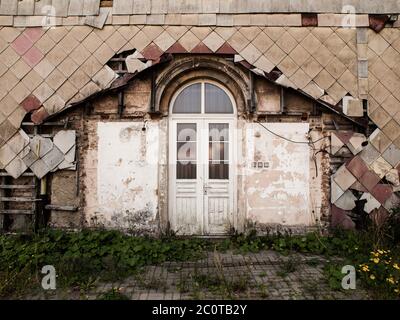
pixel 124 179
pixel 279 192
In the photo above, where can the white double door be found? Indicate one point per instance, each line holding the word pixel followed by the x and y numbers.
pixel 201 176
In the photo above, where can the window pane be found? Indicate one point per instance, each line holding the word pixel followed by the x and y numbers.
pixel 218 132
pixel 186 147
pixel 189 100
pixel 218 151
pixel 216 100
pixel 218 171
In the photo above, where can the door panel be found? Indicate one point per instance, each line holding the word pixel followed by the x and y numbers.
pixel 201 177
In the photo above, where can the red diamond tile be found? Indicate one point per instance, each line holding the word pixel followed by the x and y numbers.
pixel 358 186
pixel 226 49
pixel 382 192
pixel 357 167
pixel 152 52
pixel 39 115
pixel 369 180
pixel 344 136
pixel 33 56
pixel 246 64
pixel 176 48
pixel 31 103
pixel 22 44
pixel 34 33
pixel 340 219
pixel 201 48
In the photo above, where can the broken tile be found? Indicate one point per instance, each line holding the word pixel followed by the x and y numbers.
pixel 6 154
pixel 353 107
pixel 357 167
pixel 16 168
pixel 40 146
pixel 358 187
pixel 356 143
pixel 39 168
pixel 392 202
pixel 382 192
pixel 371 203
pixel 392 176
pixel 392 155
pixel 369 154
pixel 65 140
pixel 339 219
pixel 379 140
pixel 18 142
pixel 380 166
pixel 346 201
pixel 344 178
pixel 53 158
pixel 336 191
pixel 369 180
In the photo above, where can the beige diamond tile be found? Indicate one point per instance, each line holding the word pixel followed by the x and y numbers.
pixel 379 116
pixel 91 67
pixel 335 68
pixel 392 130
pixel 299 33
pixel 189 41
pixel 20 69
pixel 250 32
pixel 299 55
pixel 140 41
pixel 372 105
pixel 391 81
pixel 378 44
pixel 32 80
pixel 322 33
pixel 57 33
pixel 115 42
pixel 54 104
pixel 44 68
pixel 67 91
pixel 314 90
pixel 336 93
pixel 310 43
pixel 8 105
pixel 43 92
pixel 379 69
pixel 152 32
pixel 225 32
pixel 177 31
pixel 45 44
pixel 379 140
pixel 8 57
pixel 380 166
pixel 20 92
pixel 213 41
pixel 287 43
pixel 104 53
pixel 390 34
pixel 250 53
pixel 379 93
pixel 201 32
pixel 17 116
pixel 89 89
pixel 9 34
pixel 80 54
pixel 349 82
pixel 397 117
pixel 80 32
pixel 334 43
pixel 68 43
pixel 8 80
pixel 288 66
pixel 56 55
pixel 300 79
pixel 79 78
pixel 274 32
pixel 323 55
pixel 391 57
pixel 92 42
pixel 324 80
pixel 68 67
pixel 275 54
pixel 55 79
pixel 238 41
pixel 391 105
pixel 347 56
pixel 128 32
pixel 347 34
pixel 311 67
pixel 164 41
pixel 105 33
pixel 264 64
pixel 262 42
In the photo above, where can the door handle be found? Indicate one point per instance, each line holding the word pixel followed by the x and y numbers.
pixel 205 188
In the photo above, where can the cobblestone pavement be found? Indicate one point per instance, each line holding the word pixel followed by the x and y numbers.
pixel 263 275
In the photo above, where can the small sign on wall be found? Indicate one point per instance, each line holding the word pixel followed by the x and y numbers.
pixel 260 165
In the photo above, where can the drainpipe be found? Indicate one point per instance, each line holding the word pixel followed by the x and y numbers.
pixel 121 104
pixel 153 94
pixel 252 94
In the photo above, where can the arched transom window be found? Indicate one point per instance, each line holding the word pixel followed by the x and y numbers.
pixel 203 97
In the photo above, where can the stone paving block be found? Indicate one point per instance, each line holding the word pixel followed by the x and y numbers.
pixel 344 178
pixel 380 166
pixel 392 155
